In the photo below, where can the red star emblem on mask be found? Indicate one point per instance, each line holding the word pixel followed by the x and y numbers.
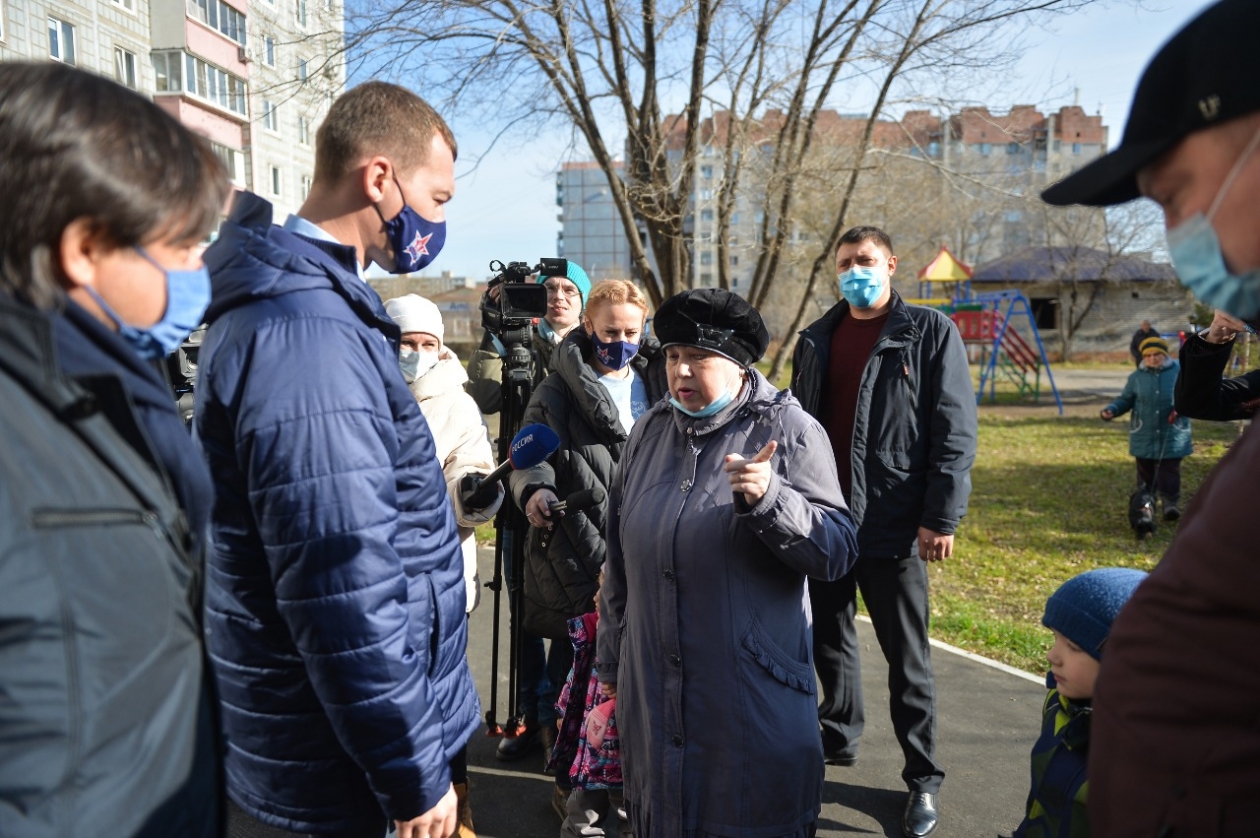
pixel 419 247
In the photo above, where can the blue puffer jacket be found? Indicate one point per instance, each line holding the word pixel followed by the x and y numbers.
pixel 1149 394
pixel 335 591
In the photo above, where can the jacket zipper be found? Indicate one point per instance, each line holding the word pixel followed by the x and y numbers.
pixel 51 518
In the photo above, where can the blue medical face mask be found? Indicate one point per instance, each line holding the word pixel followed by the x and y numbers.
pixel 861 286
pixel 712 407
pixel 414 240
pixel 187 297
pixel 1196 254
pixel 614 354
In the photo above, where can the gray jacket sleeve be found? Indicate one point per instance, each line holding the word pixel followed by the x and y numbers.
pixel 802 517
pixel 952 441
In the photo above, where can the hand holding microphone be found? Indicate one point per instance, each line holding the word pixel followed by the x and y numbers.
pixel 532 445
pixel 543 505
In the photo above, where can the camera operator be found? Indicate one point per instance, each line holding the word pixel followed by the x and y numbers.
pixel 566 300
pixel 1202 392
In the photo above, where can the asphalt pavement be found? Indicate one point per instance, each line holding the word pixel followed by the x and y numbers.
pixel 988 719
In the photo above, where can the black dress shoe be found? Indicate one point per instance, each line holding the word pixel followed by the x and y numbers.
pixel 920 817
pixel 841 758
pixel 514 747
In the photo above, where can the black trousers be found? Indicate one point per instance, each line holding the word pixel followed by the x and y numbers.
pixel 896 595
pixel 1160 476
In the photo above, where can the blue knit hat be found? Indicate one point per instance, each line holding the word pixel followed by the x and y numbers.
pixel 577 276
pixel 1084 607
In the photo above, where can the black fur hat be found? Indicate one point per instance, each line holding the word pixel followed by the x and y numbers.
pixel 713 319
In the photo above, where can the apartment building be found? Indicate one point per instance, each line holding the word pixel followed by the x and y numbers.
pixel 1016 152
pixel 255 77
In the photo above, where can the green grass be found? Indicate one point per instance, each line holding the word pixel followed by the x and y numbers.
pixel 1049 500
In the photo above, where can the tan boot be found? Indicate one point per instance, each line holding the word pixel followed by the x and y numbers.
pixel 464 816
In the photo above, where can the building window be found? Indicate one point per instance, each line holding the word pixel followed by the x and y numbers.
pixel 125 67
pixel 706 172
pixel 1012 148
pixel 275 180
pixel 734 218
pixel 1076 148
pixel 129 5
pixel 166 66
pixel 706 215
pixel 269 51
pixel 706 280
pixel 200 79
pixel 219 16
pixel 984 149
pixel 60 41
pixel 304 132
pixel 734 261
pixel 306 186
pixel 706 194
pixel 934 149
pixel 301 13
pixel 271 121
pixel 232 160
pixel 3 15
pixel 706 257
pixel 301 69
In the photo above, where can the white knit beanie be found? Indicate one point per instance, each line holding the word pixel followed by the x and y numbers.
pixel 414 313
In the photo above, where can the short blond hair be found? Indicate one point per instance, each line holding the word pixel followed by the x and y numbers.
pixel 615 292
pixel 377 118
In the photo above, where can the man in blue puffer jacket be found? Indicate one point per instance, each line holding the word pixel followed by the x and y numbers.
pixel 335 592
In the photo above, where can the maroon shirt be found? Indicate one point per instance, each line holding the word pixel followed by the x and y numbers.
pixel 851 345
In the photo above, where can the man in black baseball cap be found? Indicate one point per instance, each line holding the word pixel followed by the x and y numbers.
pixel 1175 745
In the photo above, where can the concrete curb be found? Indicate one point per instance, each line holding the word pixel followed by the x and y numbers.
pixel 1001 667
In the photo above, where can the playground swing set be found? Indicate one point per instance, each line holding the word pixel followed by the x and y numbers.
pixel 987 320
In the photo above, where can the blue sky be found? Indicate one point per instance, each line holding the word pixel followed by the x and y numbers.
pixel 505 209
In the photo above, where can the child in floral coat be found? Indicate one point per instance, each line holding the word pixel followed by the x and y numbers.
pixel 587 740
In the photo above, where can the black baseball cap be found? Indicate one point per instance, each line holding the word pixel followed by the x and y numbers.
pixel 1207 74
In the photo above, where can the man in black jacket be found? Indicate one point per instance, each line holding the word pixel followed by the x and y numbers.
pixel 1174 745
pixel 890 383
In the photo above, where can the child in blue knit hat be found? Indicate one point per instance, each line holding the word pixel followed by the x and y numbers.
pixel 1080 614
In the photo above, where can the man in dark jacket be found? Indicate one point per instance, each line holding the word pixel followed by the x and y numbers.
pixel 1176 748
pixel 335 594
pixel 890 383
pixel 106 707
pixel 1146 330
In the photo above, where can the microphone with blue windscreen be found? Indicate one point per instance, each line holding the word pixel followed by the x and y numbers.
pixel 532 445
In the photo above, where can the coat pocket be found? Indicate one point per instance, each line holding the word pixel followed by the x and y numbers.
pixel 782 667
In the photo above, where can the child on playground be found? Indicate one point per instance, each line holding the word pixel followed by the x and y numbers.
pixel 1080 614
pixel 588 728
pixel 1158 437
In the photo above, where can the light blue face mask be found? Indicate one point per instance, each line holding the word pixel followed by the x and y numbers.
pixel 187 297
pixel 861 286
pixel 712 407
pixel 1196 253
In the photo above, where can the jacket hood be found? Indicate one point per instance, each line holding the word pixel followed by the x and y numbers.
pixel 254 259
pixel 447 374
